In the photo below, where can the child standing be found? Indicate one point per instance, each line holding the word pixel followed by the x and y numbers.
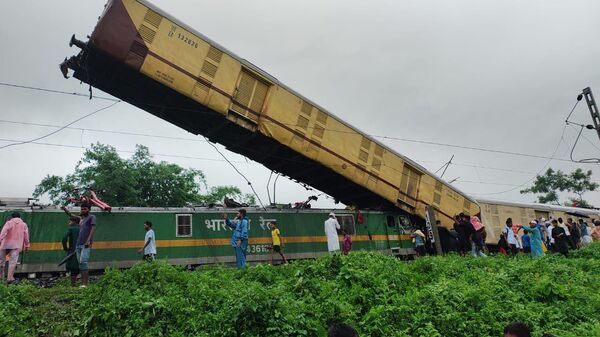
pixel 347 244
pixel 277 242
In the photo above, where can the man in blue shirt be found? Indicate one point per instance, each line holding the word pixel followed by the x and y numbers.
pixel 239 238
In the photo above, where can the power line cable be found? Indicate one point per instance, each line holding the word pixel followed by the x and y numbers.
pixel 61 128
pixel 57 91
pixel 238 171
pixel 104 131
pixel 341 131
pixel 464 147
pixel 203 141
pixel 533 177
pixel 579 134
pixel 124 151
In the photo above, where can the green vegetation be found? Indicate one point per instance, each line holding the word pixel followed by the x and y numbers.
pixel 379 295
pixel 577 182
pixel 137 181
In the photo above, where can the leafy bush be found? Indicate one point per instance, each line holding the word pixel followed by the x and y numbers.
pixel 378 295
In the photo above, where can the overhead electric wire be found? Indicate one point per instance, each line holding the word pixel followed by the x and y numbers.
pixel 579 134
pixel 56 91
pixel 464 147
pixel 122 151
pixel 238 171
pixel 333 130
pixel 540 171
pixel 204 141
pixel 61 128
pixel 104 131
pixel 583 161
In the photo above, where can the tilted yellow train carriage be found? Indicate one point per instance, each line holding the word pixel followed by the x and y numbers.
pixel 147 58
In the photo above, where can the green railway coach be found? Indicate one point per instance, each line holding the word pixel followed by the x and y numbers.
pixel 195 236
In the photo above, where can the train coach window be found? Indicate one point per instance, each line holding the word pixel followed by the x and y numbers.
pixel 184 225
pixel 346 222
pixel 391 222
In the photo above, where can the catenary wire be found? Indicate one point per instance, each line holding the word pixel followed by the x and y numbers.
pixel 61 128
pixel 238 171
pixel 204 141
pixel 533 177
pixel 333 130
pixel 56 91
pixel 464 147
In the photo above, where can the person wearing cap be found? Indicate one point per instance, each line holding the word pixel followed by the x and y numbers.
pixel 14 238
pixel 331 228
pixel 535 238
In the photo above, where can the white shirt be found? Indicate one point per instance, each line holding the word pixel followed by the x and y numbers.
pixel 333 241
pixel 549 231
pixel 151 247
pixel 510 236
pixel 564 226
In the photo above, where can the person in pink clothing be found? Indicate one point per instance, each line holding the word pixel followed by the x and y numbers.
pixel 347 243
pixel 13 239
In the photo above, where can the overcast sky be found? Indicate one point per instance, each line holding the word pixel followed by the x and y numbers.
pixel 501 75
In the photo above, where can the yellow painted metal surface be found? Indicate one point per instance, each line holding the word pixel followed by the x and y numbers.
pixel 188 64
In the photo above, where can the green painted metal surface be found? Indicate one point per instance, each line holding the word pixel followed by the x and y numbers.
pixel 120 234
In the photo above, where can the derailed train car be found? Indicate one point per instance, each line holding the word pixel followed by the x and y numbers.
pixel 197 236
pixel 143 56
pixel 494 214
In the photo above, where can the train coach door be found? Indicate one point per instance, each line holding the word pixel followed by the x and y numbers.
pixel 393 233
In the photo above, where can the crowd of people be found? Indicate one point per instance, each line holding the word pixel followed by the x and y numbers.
pixel 541 236
pixel 538 237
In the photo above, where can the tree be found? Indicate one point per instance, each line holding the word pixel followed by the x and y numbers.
pixel 552 182
pixel 137 181
pixel 579 183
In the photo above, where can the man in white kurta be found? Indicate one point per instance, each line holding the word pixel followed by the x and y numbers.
pixel 331 227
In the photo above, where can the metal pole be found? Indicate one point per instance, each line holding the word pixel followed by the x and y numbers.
pixel 447 165
pixel 589 99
